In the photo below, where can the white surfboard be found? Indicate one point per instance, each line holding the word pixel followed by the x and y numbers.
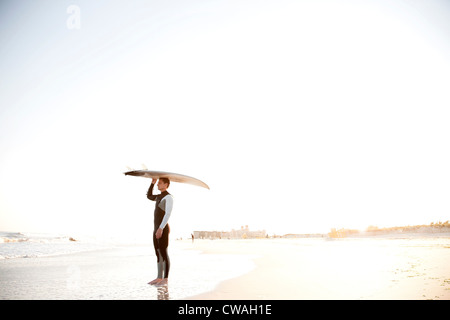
pixel 175 177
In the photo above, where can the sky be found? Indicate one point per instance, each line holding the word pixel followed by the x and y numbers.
pixel 300 115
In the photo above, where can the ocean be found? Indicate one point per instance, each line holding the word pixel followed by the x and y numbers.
pixel 33 245
pixel 53 266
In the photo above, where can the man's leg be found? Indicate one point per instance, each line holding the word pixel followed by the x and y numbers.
pixel 166 263
pixel 160 266
pixel 164 256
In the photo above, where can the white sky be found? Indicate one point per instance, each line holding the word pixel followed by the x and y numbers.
pixel 300 115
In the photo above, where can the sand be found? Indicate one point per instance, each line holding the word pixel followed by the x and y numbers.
pixel 340 269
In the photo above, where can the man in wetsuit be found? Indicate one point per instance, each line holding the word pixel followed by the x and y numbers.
pixel 163 209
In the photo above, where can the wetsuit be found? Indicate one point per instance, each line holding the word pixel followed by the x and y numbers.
pixel 163 209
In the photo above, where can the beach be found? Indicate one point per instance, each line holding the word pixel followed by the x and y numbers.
pixel 352 268
pixel 269 269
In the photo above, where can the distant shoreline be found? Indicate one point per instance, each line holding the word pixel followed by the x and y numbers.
pixel 433 229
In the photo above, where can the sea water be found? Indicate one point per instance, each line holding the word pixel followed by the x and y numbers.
pixel 54 266
pixel 33 245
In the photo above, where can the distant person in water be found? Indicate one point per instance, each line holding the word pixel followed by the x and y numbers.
pixel 163 209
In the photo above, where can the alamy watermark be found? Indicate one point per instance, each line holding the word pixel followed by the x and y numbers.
pixel 73 21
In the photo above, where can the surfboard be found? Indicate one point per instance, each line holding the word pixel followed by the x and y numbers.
pixel 175 177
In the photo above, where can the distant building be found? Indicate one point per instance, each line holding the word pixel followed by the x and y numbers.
pixel 243 233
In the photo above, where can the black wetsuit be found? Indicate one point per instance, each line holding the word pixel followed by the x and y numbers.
pixel 162 243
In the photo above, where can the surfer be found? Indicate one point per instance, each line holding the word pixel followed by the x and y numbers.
pixel 163 209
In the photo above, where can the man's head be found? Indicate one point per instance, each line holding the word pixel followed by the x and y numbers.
pixel 163 184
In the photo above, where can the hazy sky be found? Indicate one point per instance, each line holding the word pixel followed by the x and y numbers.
pixel 300 115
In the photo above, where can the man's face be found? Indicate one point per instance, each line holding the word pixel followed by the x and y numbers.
pixel 162 186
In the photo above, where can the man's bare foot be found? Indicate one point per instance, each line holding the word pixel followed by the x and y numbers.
pixel 163 282
pixel 156 281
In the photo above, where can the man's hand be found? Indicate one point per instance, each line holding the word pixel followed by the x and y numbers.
pixel 159 233
pixel 154 181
